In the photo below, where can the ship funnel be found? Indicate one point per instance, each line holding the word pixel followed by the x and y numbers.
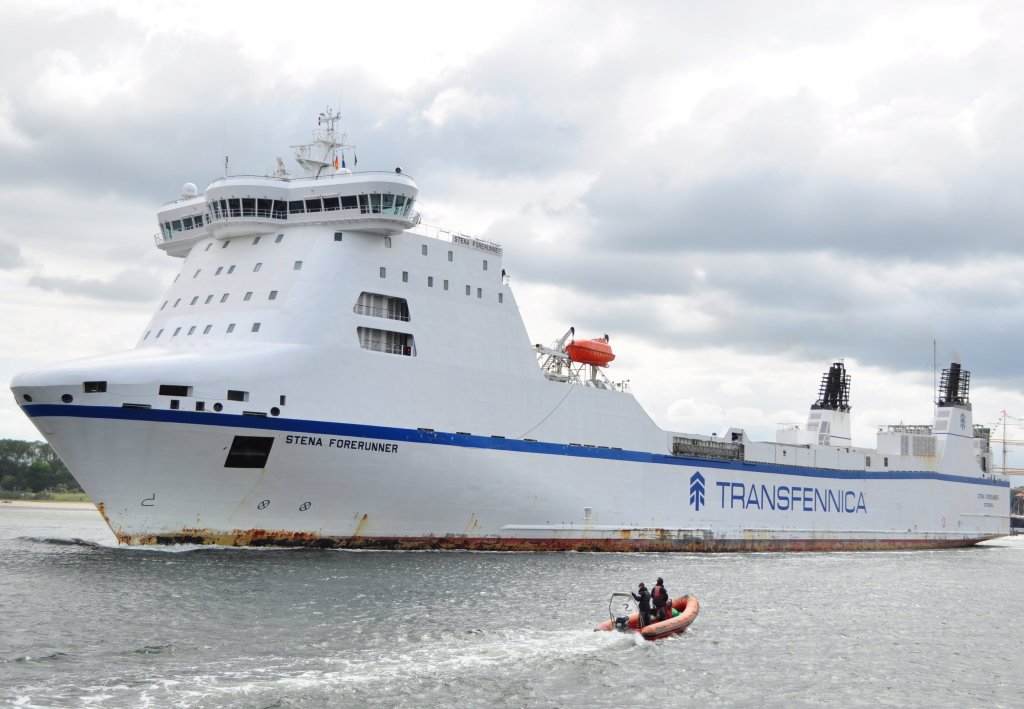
pixel 828 423
pixel 954 388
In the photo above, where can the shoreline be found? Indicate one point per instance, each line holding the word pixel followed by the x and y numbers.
pixel 46 505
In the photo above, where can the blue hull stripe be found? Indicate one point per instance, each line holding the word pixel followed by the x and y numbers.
pixel 407 435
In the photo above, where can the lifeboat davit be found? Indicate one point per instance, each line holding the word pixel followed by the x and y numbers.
pixel 595 352
pixel 687 608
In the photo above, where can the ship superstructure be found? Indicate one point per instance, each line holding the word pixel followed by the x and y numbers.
pixel 324 370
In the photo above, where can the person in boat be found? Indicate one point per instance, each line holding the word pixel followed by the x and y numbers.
pixel 659 597
pixel 643 602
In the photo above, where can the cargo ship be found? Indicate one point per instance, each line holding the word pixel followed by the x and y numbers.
pixel 327 371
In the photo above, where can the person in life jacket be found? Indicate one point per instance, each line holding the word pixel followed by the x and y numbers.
pixel 643 601
pixel 659 596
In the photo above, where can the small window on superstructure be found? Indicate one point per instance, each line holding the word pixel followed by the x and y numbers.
pixel 209 299
pixel 248 295
pixel 297 266
pixel 446 284
pixel 147 334
pixel 867 461
pixel 218 271
pixel 206 330
pixel 256 241
pixel 164 305
pixel 231 328
pixel 196 274
pixel 158 333
pixel 383 272
pixel 405 276
pixel 387 242
pixel 255 327
pixel 273 295
pixel 231 268
pixel 191 330
pixel 485 264
pixel 423 249
pixel 885 462
pixel 177 277
pixel 209 245
pixel 468 290
pixel 194 300
pixel 451 255
pixel 501 298
pixel 279 238
pixel 224 298
pixel 338 235
pixel 176 303
pixel 479 292
pixel 430 281
pixel 225 244
pixel 176 331
pixel 257 267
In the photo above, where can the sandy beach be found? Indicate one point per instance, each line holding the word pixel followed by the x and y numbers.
pixel 46 505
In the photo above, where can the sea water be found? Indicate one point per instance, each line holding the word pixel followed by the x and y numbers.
pixel 86 622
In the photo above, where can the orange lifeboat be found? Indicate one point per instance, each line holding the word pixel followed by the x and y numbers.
pixel 594 352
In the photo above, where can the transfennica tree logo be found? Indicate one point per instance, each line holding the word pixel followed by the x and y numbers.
pixel 697 490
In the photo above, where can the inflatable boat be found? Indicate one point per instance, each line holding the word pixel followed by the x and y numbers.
pixel 623 616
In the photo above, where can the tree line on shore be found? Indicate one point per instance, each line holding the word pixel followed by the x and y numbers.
pixel 33 466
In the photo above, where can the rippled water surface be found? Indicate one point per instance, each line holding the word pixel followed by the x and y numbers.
pixel 84 622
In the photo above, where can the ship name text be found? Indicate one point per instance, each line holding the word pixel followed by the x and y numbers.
pixel 342 443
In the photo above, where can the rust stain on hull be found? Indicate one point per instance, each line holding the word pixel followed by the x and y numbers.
pixel 263 537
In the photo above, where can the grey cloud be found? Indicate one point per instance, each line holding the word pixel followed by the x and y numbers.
pixel 130 285
pixel 10 254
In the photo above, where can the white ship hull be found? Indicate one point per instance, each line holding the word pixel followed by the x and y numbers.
pixel 161 479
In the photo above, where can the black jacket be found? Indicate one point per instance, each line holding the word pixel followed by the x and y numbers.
pixel 643 600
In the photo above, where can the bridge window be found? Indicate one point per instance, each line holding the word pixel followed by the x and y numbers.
pixel 399 204
pixel 263 208
pixel 349 202
pixel 332 204
pixel 280 209
pixel 296 207
pixel 388 204
pixel 313 204
pixel 235 206
pixel 248 207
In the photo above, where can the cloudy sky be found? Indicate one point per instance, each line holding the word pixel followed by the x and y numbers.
pixel 737 192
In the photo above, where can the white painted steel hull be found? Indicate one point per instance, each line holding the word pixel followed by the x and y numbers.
pixel 162 481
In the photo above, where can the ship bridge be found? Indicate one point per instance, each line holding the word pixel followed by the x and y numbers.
pixel 327 192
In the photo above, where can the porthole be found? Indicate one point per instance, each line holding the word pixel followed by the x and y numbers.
pixel 27 398
pixel 67 398
pixel 274 411
pixel 218 406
